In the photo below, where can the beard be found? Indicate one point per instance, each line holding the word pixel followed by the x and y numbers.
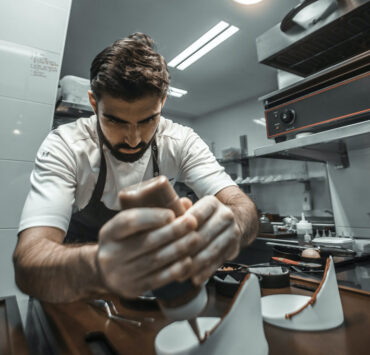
pixel 115 149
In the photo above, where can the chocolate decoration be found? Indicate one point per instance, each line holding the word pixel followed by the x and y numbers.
pixel 156 192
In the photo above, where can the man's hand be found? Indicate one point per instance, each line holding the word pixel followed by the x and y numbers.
pixel 219 237
pixel 145 248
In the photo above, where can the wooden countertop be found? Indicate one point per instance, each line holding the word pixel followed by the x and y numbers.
pixel 68 328
pixel 352 337
pixel 12 338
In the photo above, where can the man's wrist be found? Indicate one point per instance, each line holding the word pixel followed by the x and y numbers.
pixel 96 284
pixel 246 232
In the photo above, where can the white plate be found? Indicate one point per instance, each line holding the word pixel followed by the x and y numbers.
pixel 275 307
pixel 179 338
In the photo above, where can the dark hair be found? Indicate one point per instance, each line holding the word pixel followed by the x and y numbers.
pixel 130 69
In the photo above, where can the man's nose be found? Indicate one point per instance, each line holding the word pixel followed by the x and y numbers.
pixel 134 137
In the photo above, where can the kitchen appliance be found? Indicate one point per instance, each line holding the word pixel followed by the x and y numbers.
pixel 336 96
pixel 73 90
pixel 315 35
pixel 72 100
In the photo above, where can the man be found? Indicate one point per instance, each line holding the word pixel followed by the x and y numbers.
pixel 74 243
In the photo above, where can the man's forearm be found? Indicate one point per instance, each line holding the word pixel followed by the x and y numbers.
pixel 245 213
pixel 246 217
pixel 55 272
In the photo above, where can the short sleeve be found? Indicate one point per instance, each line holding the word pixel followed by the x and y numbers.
pixel 199 168
pixel 53 186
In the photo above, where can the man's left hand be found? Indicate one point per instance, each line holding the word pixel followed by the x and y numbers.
pixel 219 237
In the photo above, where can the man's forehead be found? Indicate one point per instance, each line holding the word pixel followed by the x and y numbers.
pixel 147 101
pixel 131 111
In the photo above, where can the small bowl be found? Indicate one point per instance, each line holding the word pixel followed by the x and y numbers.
pixel 235 270
pixel 272 280
pixel 223 285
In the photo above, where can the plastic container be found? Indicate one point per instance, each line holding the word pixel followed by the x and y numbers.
pixel 304 228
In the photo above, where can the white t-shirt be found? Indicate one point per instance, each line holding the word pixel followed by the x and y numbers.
pixel 68 161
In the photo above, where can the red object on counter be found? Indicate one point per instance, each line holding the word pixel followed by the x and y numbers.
pixel 294 262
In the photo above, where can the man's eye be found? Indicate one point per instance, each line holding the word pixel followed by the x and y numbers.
pixel 114 122
pixel 148 120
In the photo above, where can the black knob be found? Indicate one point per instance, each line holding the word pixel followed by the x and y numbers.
pixel 288 116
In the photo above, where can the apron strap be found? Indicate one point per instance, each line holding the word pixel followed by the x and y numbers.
pixel 155 158
pixel 99 188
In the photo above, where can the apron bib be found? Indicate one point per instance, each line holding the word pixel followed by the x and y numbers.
pixel 85 224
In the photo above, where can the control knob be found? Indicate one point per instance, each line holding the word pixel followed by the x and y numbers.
pixel 288 116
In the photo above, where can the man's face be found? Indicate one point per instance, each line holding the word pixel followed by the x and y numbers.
pixel 127 127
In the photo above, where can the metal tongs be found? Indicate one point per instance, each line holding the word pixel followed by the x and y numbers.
pixel 110 309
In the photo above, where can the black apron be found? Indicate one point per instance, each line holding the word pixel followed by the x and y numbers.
pixel 85 224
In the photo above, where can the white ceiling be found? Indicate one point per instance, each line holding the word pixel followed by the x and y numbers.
pixel 227 75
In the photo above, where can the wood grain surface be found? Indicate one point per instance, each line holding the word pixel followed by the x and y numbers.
pixel 74 324
pixel 12 337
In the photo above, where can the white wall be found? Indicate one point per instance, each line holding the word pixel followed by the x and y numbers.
pixel 350 194
pixel 32 36
pixel 224 127
pixel 178 119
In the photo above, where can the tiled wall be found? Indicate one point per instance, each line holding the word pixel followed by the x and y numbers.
pixel 32 36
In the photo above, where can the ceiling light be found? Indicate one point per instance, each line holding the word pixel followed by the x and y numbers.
pixel 208 47
pixel 176 92
pixel 213 32
pixel 260 121
pixel 247 2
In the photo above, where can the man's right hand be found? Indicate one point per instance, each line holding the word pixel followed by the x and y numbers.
pixel 141 249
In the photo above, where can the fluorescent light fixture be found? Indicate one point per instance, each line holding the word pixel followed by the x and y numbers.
pixel 176 92
pixel 180 91
pixel 260 121
pixel 247 2
pixel 208 47
pixel 213 32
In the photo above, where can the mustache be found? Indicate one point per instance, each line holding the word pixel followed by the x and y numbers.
pixel 126 146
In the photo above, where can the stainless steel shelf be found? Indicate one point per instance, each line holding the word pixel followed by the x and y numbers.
pixel 242 160
pixel 296 179
pixel 327 146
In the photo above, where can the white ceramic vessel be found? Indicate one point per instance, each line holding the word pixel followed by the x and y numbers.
pixel 240 331
pixel 325 313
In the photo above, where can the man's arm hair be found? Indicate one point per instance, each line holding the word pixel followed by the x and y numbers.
pixel 245 212
pixel 54 272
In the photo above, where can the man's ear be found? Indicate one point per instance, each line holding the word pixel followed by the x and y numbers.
pixel 164 100
pixel 92 100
